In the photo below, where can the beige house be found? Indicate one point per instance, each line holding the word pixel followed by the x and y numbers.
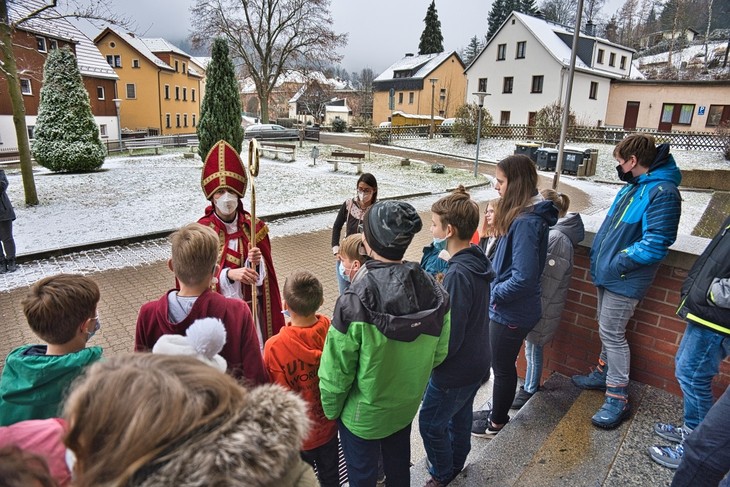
pixel 680 106
pixel 409 80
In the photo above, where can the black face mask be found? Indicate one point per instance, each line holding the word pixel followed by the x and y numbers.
pixel 623 175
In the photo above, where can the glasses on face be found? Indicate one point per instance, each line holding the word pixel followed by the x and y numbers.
pixel 365 191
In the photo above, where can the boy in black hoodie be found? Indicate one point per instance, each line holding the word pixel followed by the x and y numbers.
pixel 446 414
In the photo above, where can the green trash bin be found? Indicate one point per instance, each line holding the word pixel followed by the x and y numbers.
pixel 547 159
pixel 527 148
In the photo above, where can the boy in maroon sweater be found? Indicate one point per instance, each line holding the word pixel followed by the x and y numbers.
pixel 194 257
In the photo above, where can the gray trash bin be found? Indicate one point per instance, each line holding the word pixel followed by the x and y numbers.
pixel 572 158
pixel 527 148
pixel 547 159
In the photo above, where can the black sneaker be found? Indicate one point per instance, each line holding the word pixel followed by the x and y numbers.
pixel 483 414
pixel 521 398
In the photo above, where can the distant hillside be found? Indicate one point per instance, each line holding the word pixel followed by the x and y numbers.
pixel 687 63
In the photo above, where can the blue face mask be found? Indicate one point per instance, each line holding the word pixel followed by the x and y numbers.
pixel 286 314
pixel 344 273
pixel 439 243
pixel 97 327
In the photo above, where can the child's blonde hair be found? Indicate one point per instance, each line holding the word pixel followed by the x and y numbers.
pixel 351 248
pixel 560 200
pixel 303 293
pixel 194 253
pixel 56 306
pixel 168 400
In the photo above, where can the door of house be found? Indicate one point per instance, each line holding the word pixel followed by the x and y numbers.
pixel 531 122
pixel 632 114
pixel 665 122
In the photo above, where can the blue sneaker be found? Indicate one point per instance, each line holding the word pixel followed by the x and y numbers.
pixel 668 456
pixel 614 410
pixel 596 379
pixel 670 432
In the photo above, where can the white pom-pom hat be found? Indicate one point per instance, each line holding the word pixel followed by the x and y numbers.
pixel 204 340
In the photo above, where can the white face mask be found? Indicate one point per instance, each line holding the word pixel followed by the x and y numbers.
pixel 364 198
pixel 227 203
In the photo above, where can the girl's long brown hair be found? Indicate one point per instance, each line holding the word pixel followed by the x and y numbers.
pixel 521 187
pixel 129 409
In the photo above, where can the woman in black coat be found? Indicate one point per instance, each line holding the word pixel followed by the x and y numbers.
pixel 7 215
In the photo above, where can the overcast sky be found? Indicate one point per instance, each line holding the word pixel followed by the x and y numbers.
pixel 380 31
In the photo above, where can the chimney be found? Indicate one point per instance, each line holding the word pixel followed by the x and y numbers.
pixel 409 54
pixel 590 28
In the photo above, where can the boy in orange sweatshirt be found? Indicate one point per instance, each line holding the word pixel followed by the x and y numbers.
pixel 292 359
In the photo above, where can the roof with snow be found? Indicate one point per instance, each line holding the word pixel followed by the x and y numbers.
pixel 416 116
pixel 158 44
pixel 91 63
pixel 414 66
pixel 137 44
pixel 298 78
pixel 202 61
pixel 549 35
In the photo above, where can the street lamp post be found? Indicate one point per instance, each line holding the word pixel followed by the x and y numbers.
pixel 481 95
pixel 118 105
pixel 433 92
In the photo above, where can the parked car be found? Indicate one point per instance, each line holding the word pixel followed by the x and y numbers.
pixel 270 131
pixel 384 125
pixel 447 126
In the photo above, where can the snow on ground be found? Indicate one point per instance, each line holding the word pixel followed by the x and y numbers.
pixel 146 194
pixel 686 54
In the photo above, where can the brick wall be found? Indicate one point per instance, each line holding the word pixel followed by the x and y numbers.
pixel 653 333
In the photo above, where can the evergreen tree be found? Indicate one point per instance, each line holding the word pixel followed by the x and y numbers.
pixel 66 134
pixel 471 51
pixel 496 16
pixel 432 41
pixel 220 113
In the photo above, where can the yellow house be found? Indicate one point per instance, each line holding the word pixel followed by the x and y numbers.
pixel 159 89
pixel 419 84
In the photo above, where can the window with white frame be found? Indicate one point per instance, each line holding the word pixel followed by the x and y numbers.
pixel 177 120
pixel 167 120
pixel 25 86
pixel 521 48
pixel 537 84
pixel 593 92
pixel 41 43
pixel 185 94
pixel 508 84
pixel 599 58
pixel 177 92
pixel 115 61
pixel 192 94
pixel 135 63
pixel 623 62
pixel 185 120
pixel 501 52
pixel 102 130
pixel 193 120
pixel 52 44
pixel 131 91
pixel 612 59
pixel 167 92
pixel 411 97
pixel 100 92
pixel 31 132
pixel 482 85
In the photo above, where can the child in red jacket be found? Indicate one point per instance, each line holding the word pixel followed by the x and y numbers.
pixel 292 360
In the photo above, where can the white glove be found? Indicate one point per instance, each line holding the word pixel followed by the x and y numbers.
pixel 444 255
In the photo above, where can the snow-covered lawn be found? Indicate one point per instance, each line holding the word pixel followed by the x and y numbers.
pixel 146 194
pixel 497 149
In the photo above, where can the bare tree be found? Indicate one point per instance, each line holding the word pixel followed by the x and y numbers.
pixel 559 11
pixel 314 99
pixel 14 15
pixel 270 36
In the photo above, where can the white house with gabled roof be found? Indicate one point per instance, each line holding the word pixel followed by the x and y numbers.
pixel 525 67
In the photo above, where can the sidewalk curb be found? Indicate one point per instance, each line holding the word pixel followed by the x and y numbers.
pixel 61 251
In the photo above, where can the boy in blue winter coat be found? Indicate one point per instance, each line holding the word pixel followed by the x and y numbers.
pixel 446 413
pixel 634 238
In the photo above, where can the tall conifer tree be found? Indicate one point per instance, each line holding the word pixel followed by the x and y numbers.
pixel 220 113
pixel 66 134
pixel 432 41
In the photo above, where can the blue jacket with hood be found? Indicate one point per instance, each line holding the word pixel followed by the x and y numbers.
pixel 640 226
pixel 518 263
pixel 467 281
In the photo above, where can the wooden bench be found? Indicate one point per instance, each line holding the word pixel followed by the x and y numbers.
pixel 276 149
pixel 337 156
pixel 132 145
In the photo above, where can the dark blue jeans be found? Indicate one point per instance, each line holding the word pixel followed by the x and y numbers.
pixel 325 459
pixel 707 450
pixel 361 456
pixel 445 425
pixel 696 364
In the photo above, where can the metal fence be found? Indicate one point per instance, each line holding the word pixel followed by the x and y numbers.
pixel 702 141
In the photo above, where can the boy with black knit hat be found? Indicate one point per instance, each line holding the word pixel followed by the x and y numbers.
pixel 389 330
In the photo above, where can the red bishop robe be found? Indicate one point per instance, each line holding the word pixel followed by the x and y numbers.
pixel 269 298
